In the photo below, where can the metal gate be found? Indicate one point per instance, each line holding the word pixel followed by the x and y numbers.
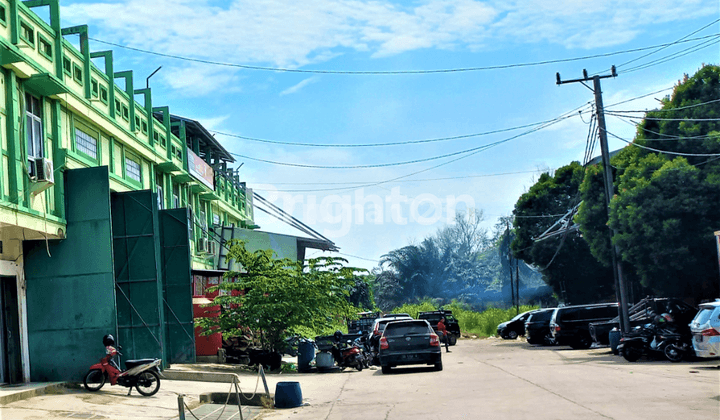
pixel 177 286
pixel 138 276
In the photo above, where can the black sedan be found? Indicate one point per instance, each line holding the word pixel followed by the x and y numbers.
pixel 409 342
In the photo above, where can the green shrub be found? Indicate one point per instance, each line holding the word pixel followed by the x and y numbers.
pixel 481 324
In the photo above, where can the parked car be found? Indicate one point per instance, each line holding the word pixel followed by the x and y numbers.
pixel 510 330
pixel 641 313
pixel 379 327
pixel 451 323
pixel 569 325
pixel 409 342
pixel 537 327
pixel 705 328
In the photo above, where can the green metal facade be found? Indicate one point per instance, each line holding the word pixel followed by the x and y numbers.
pixel 177 286
pixel 136 249
pixel 70 306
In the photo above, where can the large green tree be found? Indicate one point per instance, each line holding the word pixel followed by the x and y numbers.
pixel 565 260
pixel 276 297
pixel 664 207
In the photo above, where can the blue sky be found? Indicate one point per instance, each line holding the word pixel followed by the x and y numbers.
pixel 380 35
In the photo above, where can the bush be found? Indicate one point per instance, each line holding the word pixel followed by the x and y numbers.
pixel 482 324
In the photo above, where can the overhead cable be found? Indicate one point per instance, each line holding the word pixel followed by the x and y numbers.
pixel 398 143
pixel 673 56
pixel 383 165
pixel 666 46
pixel 667 109
pixel 667 137
pixel 668 152
pixel 393 72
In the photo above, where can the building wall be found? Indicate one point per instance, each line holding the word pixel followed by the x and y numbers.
pixel 79 89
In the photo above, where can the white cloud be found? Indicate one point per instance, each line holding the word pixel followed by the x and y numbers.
pixel 199 80
pixel 291 33
pixel 297 87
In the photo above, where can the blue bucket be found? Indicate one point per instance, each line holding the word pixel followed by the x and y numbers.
pixel 306 353
pixel 288 395
pixel 614 336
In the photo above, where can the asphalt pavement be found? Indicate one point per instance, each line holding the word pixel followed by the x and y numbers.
pixel 483 378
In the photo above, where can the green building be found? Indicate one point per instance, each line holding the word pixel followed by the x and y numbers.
pixel 110 206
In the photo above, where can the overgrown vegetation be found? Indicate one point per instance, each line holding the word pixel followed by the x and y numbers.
pixel 481 324
pixel 274 298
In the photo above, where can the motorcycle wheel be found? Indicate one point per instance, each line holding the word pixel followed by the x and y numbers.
pixel 673 353
pixel 631 353
pixel 94 380
pixel 148 383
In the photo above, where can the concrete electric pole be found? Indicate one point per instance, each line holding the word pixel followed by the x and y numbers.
pixel 621 292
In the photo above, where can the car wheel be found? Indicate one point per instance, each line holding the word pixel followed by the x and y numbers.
pixel 438 365
pixel 548 340
pixel 512 335
pixel 452 339
pixel 386 369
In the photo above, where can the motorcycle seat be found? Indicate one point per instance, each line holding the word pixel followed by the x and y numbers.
pixel 133 363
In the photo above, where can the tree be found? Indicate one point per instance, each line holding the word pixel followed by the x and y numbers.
pixel 565 261
pixel 664 208
pixel 277 297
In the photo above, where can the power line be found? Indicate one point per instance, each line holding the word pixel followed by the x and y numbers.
pixel 669 109
pixel 360 258
pixel 638 97
pixel 394 72
pixel 664 151
pixel 664 47
pixel 439 139
pixel 407 180
pixel 662 119
pixel 373 184
pixel 673 56
pixel 383 165
pixel 669 137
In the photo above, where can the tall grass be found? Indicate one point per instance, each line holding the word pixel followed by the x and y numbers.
pixel 481 324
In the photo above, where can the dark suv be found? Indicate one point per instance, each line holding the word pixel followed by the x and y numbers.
pixel 537 327
pixel 569 325
pixel 451 324
pixel 510 330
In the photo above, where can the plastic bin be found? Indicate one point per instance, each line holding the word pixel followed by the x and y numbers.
pixel 614 336
pixel 288 395
pixel 306 354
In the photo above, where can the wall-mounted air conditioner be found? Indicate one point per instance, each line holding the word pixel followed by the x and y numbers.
pixel 42 175
pixel 202 244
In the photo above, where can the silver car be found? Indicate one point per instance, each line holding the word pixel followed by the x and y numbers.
pixel 705 328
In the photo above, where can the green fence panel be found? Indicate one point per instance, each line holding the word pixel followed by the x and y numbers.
pixel 71 291
pixel 177 283
pixel 138 276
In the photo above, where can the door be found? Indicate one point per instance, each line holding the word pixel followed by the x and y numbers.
pixel 10 362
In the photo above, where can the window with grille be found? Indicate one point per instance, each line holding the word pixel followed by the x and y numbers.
pixel 132 169
pixel 85 143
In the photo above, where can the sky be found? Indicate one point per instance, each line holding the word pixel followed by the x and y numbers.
pixel 358 73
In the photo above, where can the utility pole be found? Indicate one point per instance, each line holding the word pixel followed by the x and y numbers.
pixel 517 286
pixel 620 290
pixel 512 288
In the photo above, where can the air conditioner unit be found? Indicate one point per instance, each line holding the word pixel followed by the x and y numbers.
pixel 202 244
pixel 43 175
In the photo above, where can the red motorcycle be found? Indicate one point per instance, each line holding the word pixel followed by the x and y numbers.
pixel 347 354
pixel 143 374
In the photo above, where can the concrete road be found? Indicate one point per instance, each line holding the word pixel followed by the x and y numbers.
pixel 499 379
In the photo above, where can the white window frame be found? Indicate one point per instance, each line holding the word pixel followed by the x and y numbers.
pixel 129 169
pixel 34 128
pixel 82 137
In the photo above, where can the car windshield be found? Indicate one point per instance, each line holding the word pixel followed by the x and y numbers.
pixel 540 316
pixel 519 316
